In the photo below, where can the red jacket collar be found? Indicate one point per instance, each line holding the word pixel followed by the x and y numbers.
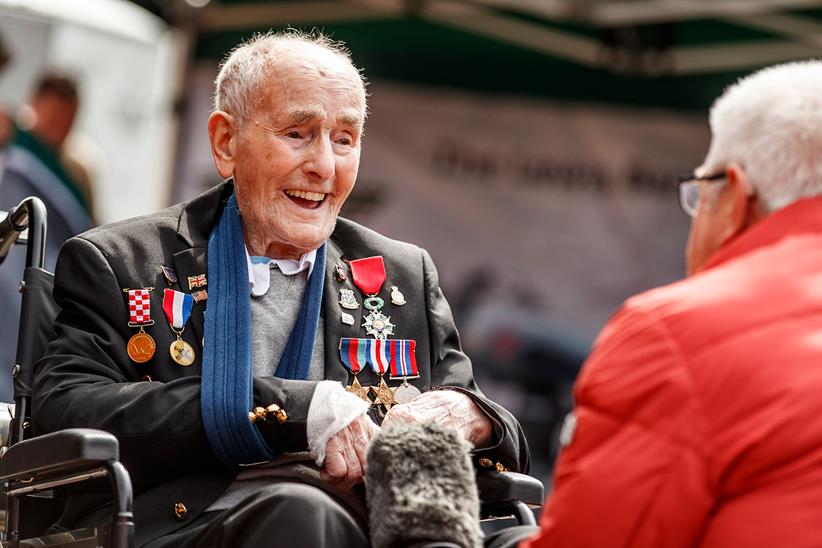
pixel 799 217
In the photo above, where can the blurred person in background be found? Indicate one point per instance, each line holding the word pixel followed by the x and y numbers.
pixel 34 165
pixel 6 121
pixel 698 418
pixel 248 425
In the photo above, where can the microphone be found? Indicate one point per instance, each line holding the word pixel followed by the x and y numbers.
pixel 421 486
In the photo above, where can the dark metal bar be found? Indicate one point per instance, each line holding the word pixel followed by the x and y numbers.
pixel 31 213
pixel 523 513
pixel 122 520
pixel 22 488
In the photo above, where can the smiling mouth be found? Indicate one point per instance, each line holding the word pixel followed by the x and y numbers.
pixel 306 199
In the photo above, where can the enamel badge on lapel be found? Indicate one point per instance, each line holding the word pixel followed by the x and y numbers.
pixel 169 275
pixel 397 297
pixel 197 281
pixel 346 318
pixel 141 345
pixel 347 299
pixel 368 275
pixel 339 272
pixel 200 295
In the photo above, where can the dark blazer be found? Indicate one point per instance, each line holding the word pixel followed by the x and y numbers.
pixel 87 379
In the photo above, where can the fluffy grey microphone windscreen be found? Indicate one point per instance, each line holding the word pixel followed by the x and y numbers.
pixel 421 487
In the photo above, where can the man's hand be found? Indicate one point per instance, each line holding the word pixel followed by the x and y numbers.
pixel 345 453
pixel 447 408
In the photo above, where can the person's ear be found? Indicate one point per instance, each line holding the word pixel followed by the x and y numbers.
pixel 223 136
pixel 744 210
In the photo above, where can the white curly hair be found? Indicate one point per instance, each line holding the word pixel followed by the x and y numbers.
pixel 250 63
pixel 770 123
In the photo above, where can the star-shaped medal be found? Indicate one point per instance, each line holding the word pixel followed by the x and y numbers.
pixel 378 325
pixel 358 390
pixel 385 396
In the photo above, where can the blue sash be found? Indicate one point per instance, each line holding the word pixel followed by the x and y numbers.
pixel 226 394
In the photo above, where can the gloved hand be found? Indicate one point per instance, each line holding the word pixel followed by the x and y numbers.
pixel 345 453
pixel 447 408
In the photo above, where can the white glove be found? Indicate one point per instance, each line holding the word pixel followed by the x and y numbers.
pixel 447 408
pixel 345 453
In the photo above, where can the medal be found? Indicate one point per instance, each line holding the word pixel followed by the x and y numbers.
pixel 140 347
pixel 352 354
pixel 404 366
pixel 358 390
pixel 177 307
pixel 377 325
pixel 347 299
pixel 181 352
pixel 385 396
pixel 368 275
pixel 373 353
pixel 397 297
pixel 405 392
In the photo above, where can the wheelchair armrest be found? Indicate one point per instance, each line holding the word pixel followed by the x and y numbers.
pixel 499 487
pixel 64 452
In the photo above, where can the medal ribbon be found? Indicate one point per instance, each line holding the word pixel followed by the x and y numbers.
pixel 368 274
pixel 139 306
pixel 403 358
pixel 396 355
pixel 177 306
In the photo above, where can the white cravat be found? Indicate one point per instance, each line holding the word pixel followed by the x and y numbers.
pixel 259 269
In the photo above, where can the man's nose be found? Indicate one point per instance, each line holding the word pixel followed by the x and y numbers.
pixel 320 165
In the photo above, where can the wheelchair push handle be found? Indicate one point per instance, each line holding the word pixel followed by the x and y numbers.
pixel 29 213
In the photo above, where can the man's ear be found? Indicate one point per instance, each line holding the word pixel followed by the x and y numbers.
pixel 222 134
pixel 744 207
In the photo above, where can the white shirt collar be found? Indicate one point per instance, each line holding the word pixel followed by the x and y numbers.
pixel 259 269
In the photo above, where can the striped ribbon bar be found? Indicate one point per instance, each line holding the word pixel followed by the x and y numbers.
pixel 381 355
pixel 177 307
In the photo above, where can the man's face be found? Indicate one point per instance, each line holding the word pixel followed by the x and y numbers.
pixel 296 159
pixel 55 117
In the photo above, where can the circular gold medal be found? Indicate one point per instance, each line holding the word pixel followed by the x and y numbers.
pixel 141 347
pixel 181 352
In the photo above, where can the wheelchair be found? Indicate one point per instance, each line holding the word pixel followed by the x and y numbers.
pixel 32 468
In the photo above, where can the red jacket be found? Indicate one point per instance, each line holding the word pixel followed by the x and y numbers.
pixel 699 413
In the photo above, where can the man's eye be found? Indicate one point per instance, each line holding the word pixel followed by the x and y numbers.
pixel 294 135
pixel 347 141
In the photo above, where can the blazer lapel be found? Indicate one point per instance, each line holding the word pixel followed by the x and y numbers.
pixel 197 219
pixel 334 328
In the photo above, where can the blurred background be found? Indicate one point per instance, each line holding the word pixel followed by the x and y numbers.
pixel 532 146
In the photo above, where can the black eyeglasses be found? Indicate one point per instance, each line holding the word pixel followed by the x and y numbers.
pixel 690 190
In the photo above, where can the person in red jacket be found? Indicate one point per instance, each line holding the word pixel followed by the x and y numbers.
pixel 698 418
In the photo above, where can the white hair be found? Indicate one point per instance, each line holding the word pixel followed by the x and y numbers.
pixel 250 64
pixel 770 123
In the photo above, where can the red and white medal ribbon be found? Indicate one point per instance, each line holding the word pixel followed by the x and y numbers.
pixel 139 307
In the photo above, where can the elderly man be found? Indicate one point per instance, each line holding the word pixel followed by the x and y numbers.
pixel 244 346
pixel 698 416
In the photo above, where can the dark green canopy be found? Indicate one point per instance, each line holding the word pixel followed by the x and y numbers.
pixel 642 52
